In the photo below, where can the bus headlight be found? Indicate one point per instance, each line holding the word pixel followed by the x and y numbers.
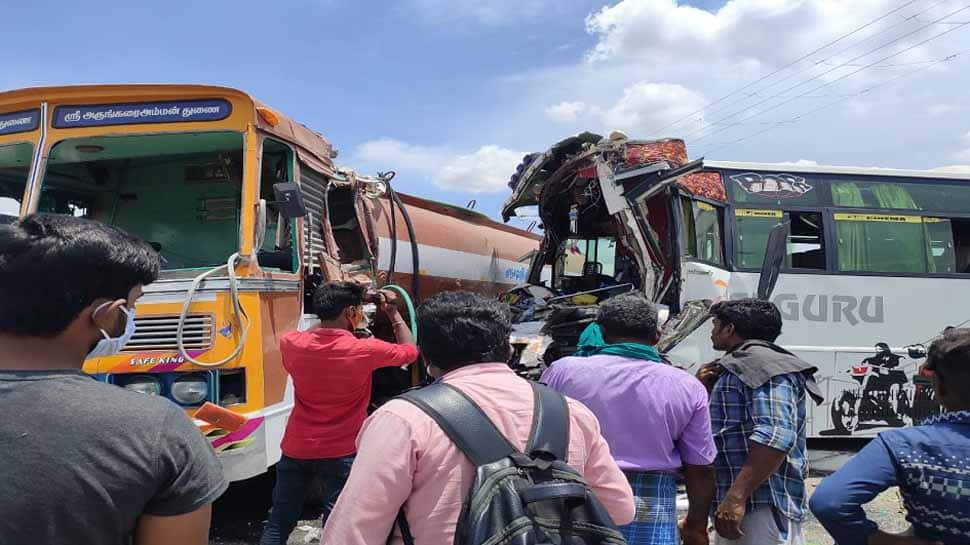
pixel 143 384
pixel 191 389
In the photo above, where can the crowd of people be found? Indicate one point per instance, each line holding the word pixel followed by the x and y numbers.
pixel 480 456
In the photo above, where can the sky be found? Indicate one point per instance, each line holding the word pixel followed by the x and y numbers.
pixel 452 93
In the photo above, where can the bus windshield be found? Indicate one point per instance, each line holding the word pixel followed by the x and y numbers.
pixel 180 192
pixel 14 169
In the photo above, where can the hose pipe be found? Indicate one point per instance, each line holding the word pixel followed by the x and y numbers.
pixel 241 317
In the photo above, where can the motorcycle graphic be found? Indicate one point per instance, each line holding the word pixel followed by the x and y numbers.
pixel 884 394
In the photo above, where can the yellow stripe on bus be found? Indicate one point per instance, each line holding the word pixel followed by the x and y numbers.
pixel 704 206
pixel 879 217
pixel 747 213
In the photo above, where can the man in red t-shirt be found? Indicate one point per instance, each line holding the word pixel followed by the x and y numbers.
pixel 331 371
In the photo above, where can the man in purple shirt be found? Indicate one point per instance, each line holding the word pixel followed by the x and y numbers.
pixel 655 418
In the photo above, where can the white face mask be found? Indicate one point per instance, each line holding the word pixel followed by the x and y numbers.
pixel 109 346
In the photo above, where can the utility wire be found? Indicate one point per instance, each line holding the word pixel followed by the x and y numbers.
pixel 792 63
pixel 802 115
pixel 832 56
pixel 829 83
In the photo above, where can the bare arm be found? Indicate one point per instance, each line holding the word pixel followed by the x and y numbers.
pixel 188 529
pixel 402 332
pixel 761 463
pixel 700 495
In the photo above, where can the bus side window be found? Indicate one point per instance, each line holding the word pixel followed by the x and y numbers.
pixel 806 241
pixel 900 243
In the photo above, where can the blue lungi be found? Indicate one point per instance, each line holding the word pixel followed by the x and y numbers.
pixel 655 522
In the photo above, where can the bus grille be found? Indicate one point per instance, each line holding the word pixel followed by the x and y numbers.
pixel 159 333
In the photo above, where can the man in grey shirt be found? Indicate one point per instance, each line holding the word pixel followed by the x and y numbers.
pixel 83 461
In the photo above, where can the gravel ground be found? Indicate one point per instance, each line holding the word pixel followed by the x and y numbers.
pixel 886 511
pixel 239 515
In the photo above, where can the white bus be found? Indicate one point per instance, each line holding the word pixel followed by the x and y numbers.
pixel 877 260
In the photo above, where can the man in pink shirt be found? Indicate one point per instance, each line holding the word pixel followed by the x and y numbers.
pixel 405 460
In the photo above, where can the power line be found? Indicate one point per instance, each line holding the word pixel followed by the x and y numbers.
pixel 840 78
pixel 798 117
pixel 843 50
pixel 792 63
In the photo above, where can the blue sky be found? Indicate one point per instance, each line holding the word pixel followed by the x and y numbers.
pixel 451 92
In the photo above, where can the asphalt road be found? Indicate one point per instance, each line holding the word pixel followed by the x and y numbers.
pixel 238 516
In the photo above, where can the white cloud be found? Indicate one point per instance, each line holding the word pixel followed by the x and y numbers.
pixel 646 107
pixel 964 154
pixel 955 169
pixel 942 109
pixel 768 31
pixel 485 170
pixel 400 155
pixel 565 112
pixel 799 163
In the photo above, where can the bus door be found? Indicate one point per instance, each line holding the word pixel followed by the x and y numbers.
pixel 700 230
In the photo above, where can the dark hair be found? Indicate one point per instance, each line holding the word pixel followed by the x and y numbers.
pixel 53 266
pixel 332 298
pixel 949 359
pixel 628 315
pixel 751 318
pixel 459 328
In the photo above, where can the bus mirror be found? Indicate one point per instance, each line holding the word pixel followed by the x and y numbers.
pixel 289 200
pixel 775 251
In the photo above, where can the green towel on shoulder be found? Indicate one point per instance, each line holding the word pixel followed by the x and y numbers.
pixel 591 343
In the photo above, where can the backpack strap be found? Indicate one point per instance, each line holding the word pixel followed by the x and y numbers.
pixel 550 423
pixel 463 422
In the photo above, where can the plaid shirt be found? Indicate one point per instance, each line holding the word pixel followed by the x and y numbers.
pixel 772 415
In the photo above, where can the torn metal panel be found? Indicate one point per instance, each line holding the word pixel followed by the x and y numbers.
pixel 679 327
pixel 592 194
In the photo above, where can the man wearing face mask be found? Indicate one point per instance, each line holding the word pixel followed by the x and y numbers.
pixel 331 371
pixel 84 461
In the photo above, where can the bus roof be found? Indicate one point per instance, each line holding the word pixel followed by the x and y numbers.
pixel 312 147
pixel 956 173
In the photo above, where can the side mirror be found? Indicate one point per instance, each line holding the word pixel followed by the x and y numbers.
pixel 289 200
pixel 775 251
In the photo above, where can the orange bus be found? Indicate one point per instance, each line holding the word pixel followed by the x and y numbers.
pixel 211 178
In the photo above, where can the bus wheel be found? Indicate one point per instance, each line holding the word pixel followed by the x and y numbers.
pixel 844 415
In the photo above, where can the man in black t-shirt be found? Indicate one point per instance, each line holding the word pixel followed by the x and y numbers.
pixel 83 461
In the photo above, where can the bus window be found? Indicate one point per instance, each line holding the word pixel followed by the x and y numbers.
pixel 702 231
pixel 689 234
pixel 707 226
pixel 179 192
pixel 902 196
pixel 806 243
pixel 15 162
pixel 277 249
pixel 347 230
pixel 753 227
pixel 586 263
pixel 895 244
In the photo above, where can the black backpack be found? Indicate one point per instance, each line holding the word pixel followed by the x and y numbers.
pixel 517 498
